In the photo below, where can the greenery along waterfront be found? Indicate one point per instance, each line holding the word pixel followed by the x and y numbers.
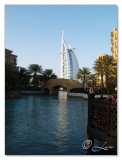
pixel 34 76
pixel 30 78
pixel 106 69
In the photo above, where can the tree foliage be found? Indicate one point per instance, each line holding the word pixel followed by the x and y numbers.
pixel 35 70
pixel 83 75
pixel 105 67
pixel 24 77
pixel 11 77
pixel 21 78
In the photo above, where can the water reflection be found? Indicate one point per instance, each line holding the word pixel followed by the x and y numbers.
pixel 62 126
pixel 45 125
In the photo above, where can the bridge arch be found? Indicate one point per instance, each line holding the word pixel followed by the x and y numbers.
pixel 54 84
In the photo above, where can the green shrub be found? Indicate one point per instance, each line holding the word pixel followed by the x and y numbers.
pixel 77 90
pixel 30 88
pixel 108 90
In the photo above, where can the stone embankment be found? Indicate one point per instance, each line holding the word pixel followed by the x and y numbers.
pixel 31 92
pixel 14 94
pixel 85 96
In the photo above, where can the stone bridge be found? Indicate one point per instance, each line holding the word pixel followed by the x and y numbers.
pixel 52 86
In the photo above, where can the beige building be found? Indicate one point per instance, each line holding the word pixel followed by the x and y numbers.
pixel 101 56
pixel 114 43
pixel 9 57
pixel 113 50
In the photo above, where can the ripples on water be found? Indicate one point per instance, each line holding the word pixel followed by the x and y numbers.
pixel 39 125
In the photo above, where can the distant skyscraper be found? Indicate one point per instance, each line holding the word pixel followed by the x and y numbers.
pixel 69 63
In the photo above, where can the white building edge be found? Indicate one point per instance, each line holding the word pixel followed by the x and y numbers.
pixel 69 63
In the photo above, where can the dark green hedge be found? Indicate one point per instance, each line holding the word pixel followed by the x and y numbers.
pixel 108 91
pixel 77 90
pixel 30 88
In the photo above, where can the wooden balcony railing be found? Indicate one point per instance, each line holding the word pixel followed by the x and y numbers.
pixel 102 121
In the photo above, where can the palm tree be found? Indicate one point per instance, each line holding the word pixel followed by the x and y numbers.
pixel 113 77
pixel 98 67
pixel 24 77
pixel 93 80
pixel 35 70
pixel 83 75
pixel 47 74
pixel 103 66
pixel 108 63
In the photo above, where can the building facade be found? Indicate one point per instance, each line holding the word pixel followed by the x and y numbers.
pixel 114 43
pixel 113 50
pixel 9 57
pixel 69 63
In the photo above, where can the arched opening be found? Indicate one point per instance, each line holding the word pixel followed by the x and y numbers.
pixel 46 91
pixel 55 89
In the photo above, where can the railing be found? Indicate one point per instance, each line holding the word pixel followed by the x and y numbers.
pixel 102 121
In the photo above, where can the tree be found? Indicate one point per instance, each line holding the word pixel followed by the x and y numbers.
pixel 93 80
pixel 98 67
pixel 108 63
pixel 46 75
pixel 113 77
pixel 11 77
pixel 83 75
pixel 35 70
pixel 103 66
pixel 24 77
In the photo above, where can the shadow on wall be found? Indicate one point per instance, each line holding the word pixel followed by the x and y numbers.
pixel 56 89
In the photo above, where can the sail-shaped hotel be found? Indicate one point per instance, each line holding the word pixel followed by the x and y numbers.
pixel 69 63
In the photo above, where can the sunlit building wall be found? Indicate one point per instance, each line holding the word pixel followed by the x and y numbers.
pixel 114 43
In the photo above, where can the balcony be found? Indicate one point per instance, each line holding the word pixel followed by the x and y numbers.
pixel 112 49
pixel 112 41
pixel 102 121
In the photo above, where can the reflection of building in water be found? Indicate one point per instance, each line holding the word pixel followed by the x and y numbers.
pixel 62 116
pixel 62 126
pixel 62 93
pixel 69 63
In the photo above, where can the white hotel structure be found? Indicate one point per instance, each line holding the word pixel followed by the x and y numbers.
pixel 69 63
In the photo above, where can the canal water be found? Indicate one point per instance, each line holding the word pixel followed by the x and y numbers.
pixel 45 125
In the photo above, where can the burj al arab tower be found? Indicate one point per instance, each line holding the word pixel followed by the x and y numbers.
pixel 69 63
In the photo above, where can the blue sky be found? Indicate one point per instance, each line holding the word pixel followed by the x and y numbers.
pixel 34 32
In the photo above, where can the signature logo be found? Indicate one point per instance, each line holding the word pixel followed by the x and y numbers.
pixel 88 143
